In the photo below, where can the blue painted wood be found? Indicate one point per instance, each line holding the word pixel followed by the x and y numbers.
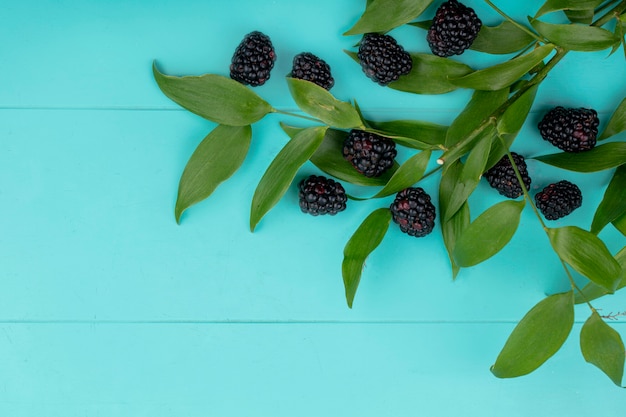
pixel 107 307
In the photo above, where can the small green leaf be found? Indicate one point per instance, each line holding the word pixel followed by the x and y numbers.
pixel 412 133
pixel 607 156
pixel 556 5
pixel 613 204
pixel 214 97
pixel 592 291
pixel 602 346
pixel 587 254
pixel 505 38
pixel 539 335
pixel 408 174
pixel 488 234
pixel 452 228
pixel 431 75
pixel 215 159
pixel 617 124
pixel 282 171
pixel 503 75
pixel 514 117
pixel 384 15
pixel 367 238
pixel 318 102
pixel 329 158
pixel 575 37
pixel 620 224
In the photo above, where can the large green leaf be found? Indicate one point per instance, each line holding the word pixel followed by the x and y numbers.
pixel 412 133
pixel 574 36
pixel 367 238
pixel 591 291
pixel 488 234
pixel 215 159
pixel 384 15
pixel 587 254
pixel 214 97
pixel 318 102
pixel 613 204
pixel 452 228
pixel 503 75
pixel 539 335
pixel 602 346
pixel 515 115
pixel 410 172
pixel 617 124
pixel 556 5
pixel 282 171
pixel 580 16
pixel 620 224
pixel 505 38
pixel 607 156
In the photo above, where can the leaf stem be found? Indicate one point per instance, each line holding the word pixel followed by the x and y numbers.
pixel 286 113
pixel 617 10
pixel 514 22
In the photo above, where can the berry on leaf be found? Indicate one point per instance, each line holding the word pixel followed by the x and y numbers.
pixel 454 29
pixel 558 200
pixel 382 59
pixel 309 67
pixel 253 60
pixel 502 176
pixel 320 195
pixel 413 212
pixel 369 153
pixel 572 130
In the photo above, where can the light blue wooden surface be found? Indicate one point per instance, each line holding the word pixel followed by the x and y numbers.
pixel 108 308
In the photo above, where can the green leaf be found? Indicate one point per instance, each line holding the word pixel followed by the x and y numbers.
pixel 431 75
pixel 607 156
pixel 214 97
pixel 408 174
pixel 602 346
pixel 539 335
pixel 580 16
pixel 556 5
pixel 329 158
pixel 613 204
pixel 215 159
pixel 318 102
pixel 503 75
pixel 587 254
pixel 282 171
pixel 412 133
pixel 505 38
pixel 367 238
pixel 488 234
pixel 575 37
pixel 617 124
pixel 384 15
pixel 514 117
pixel 620 224
pixel 592 291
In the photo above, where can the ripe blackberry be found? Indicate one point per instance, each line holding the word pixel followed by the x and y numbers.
pixel 454 28
pixel 309 67
pixel 382 59
pixel 369 153
pixel 253 60
pixel 559 199
pixel 572 130
pixel 413 212
pixel 321 195
pixel 502 176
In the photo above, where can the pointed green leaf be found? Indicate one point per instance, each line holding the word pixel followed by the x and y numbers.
pixel 575 37
pixel 431 75
pixel 617 124
pixel 451 229
pixel 412 133
pixel 503 75
pixel 505 38
pixel 607 156
pixel 620 224
pixel 367 238
pixel 318 102
pixel 556 5
pixel 214 97
pixel 580 16
pixel 539 335
pixel 408 174
pixel 613 204
pixel 215 159
pixel 602 346
pixel 329 158
pixel 488 234
pixel 587 254
pixel 282 171
pixel 515 115
pixel 592 291
pixel 384 15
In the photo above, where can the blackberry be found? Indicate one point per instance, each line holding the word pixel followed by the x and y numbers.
pixel 382 59
pixel 572 130
pixel 559 199
pixel 321 195
pixel 253 60
pixel 502 176
pixel 454 28
pixel 309 67
pixel 369 153
pixel 413 212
